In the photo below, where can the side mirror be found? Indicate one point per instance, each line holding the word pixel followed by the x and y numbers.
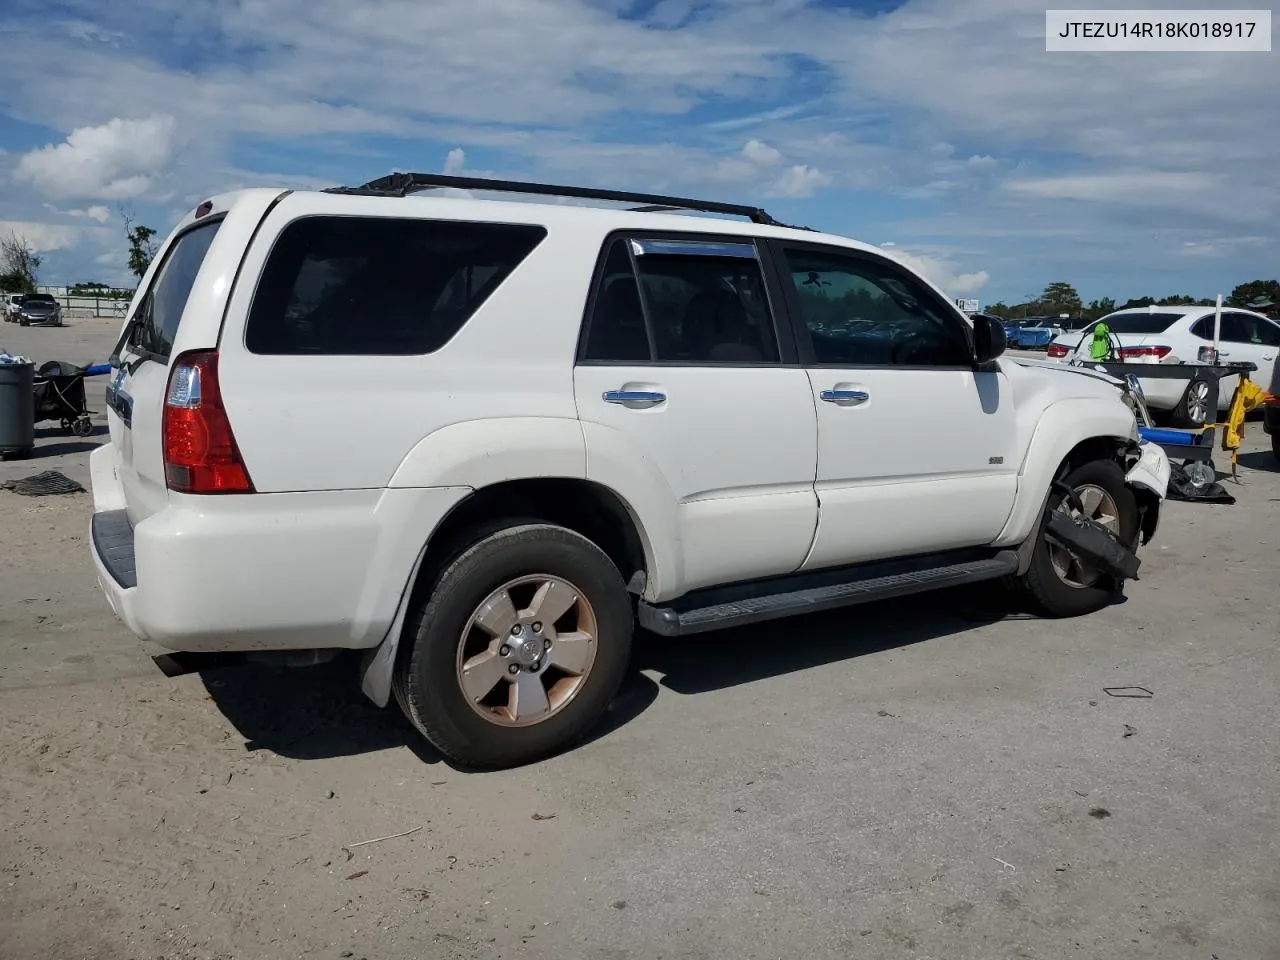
pixel 989 338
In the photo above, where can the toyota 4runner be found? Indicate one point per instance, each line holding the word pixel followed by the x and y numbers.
pixel 481 440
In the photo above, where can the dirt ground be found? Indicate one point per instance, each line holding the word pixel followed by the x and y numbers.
pixel 906 780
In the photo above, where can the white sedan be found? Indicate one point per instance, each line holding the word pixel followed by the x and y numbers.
pixel 1176 335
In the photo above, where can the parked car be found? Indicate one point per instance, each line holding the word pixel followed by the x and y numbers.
pixel 40 310
pixel 1176 334
pixel 1035 333
pixel 362 419
pixel 13 305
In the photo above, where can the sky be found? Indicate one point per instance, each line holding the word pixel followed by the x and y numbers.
pixel 940 129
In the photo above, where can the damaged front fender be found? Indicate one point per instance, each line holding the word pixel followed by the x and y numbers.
pixel 1149 479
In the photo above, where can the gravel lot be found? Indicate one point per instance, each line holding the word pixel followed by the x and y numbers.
pixel 911 779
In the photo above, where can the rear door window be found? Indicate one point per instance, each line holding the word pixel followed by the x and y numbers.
pixel 681 301
pixel 159 313
pixel 377 285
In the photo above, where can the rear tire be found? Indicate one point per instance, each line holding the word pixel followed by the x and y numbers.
pixel 1055 594
pixel 457 638
pixel 1192 411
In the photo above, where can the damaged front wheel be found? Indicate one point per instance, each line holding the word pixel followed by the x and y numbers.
pixel 1058 582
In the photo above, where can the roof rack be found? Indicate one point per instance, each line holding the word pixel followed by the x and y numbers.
pixel 404 184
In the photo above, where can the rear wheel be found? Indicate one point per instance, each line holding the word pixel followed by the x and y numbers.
pixel 1193 410
pixel 519 649
pixel 1058 584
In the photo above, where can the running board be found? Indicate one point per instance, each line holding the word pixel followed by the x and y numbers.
pixel 672 622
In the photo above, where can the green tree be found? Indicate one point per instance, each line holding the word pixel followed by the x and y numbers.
pixel 1099 308
pixel 1139 302
pixel 142 246
pixel 1000 309
pixel 1060 297
pixel 18 265
pixel 1246 293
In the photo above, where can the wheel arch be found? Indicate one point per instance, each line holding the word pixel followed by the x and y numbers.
pixel 1069 433
pixel 587 507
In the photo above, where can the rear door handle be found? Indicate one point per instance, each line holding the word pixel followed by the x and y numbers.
pixel 847 397
pixel 635 398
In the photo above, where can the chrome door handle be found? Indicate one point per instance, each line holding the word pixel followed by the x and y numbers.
pixel 642 398
pixel 845 396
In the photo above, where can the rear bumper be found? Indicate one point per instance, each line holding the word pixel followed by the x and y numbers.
pixel 287 571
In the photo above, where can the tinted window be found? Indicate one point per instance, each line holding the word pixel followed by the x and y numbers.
pixel 680 308
pixel 1242 328
pixel 366 285
pixel 161 309
pixel 39 298
pixel 861 312
pixel 1139 324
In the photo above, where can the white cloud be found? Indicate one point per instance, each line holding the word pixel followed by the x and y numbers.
pixel 96 212
pixel 455 161
pixel 117 160
pixel 940 270
pixel 799 181
pixel 41 237
pixel 758 152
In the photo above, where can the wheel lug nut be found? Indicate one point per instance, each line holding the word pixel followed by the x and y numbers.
pixel 504 650
pixel 513 669
pixel 517 630
pixel 535 667
pixel 546 644
pixel 537 627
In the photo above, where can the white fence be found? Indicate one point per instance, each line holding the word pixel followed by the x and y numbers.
pixel 93 306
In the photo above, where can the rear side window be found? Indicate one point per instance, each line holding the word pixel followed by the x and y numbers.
pixel 379 286
pixel 161 309
pixel 681 302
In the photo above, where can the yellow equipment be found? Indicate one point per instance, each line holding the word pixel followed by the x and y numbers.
pixel 1248 396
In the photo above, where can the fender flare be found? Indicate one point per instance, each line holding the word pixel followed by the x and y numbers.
pixel 1062 427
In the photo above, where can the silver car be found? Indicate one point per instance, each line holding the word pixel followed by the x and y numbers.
pixel 40 310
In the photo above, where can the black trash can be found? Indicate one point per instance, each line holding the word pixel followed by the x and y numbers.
pixel 17 410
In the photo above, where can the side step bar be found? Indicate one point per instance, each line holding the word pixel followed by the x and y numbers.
pixel 672 622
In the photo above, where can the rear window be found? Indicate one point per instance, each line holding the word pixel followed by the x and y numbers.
pixel 377 285
pixel 1139 324
pixel 158 315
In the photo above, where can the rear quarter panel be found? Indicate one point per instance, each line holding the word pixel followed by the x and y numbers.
pixel 355 422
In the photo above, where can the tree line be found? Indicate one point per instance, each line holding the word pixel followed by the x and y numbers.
pixel 20 263
pixel 1059 298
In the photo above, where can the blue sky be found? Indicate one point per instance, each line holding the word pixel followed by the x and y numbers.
pixel 942 128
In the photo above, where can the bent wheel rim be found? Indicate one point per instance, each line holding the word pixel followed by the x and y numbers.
pixel 1100 507
pixel 527 650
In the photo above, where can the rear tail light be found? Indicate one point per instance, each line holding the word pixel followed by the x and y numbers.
pixel 200 453
pixel 1057 351
pixel 1140 353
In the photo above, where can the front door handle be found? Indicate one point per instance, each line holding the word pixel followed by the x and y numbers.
pixel 846 397
pixel 635 398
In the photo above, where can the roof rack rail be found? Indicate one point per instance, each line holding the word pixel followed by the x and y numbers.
pixel 404 184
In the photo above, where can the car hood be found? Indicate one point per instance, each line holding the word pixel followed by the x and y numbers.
pixel 1062 382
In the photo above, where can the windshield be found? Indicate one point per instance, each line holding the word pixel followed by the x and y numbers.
pixel 1139 324
pixel 39 298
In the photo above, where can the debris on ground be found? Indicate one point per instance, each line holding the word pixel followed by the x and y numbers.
pixel 1099 813
pixel 1129 731
pixel 48 483
pixel 543 816
pixel 1138 693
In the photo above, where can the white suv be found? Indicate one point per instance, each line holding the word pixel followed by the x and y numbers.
pixel 479 440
